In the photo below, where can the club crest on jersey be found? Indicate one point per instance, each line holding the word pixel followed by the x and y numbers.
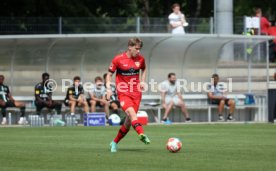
pixel 111 66
pixel 122 103
pixel 137 64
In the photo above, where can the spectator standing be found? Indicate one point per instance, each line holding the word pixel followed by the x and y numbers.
pixel 177 20
pixel 264 23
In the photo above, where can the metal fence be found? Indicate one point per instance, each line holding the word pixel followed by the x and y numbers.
pixel 84 25
pixel 70 25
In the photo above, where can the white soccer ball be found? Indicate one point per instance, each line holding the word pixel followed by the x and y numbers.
pixel 174 145
pixel 114 119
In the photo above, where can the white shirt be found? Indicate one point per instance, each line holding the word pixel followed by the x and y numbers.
pixel 176 19
pixel 170 89
pixel 99 92
pixel 217 90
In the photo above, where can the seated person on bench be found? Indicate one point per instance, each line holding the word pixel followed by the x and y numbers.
pixel 75 96
pixel 97 96
pixel 216 95
pixel 170 97
pixel 43 96
pixel 114 101
pixel 6 100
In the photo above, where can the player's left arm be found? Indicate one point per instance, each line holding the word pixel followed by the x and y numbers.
pixel 143 78
pixel 81 96
pixel 10 95
pixel 143 75
pixel 108 86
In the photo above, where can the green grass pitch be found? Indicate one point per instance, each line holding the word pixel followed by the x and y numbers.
pixel 205 147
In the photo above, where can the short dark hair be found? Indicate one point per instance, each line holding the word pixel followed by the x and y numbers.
pixel 45 74
pixel 175 5
pixel 104 76
pixel 215 75
pixel 77 78
pixel 135 41
pixel 98 78
pixel 171 74
pixel 257 10
pixel 2 76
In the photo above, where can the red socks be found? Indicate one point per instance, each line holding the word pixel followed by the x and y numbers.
pixel 137 126
pixel 122 132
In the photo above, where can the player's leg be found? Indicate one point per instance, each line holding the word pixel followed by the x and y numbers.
pixel 130 107
pixel 22 107
pixel 57 106
pixel 39 107
pixel 106 108
pixel 231 104
pixel 72 105
pixel 114 107
pixel 221 104
pixel 93 105
pixel 85 106
pixel 121 134
pixel 4 113
pixel 142 136
pixel 168 107
pixel 181 104
pixel 123 130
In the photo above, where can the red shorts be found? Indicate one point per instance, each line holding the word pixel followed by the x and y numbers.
pixel 128 101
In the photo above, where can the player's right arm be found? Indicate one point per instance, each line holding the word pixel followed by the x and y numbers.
pixel 9 95
pixel 108 87
pixel 70 95
pixel 112 68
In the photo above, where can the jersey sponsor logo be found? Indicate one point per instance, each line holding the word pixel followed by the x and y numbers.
pixel 129 72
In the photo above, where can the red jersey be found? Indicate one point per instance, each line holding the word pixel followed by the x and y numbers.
pixel 264 25
pixel 128 72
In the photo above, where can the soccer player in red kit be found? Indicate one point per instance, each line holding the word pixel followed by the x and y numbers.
pixel 127 67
